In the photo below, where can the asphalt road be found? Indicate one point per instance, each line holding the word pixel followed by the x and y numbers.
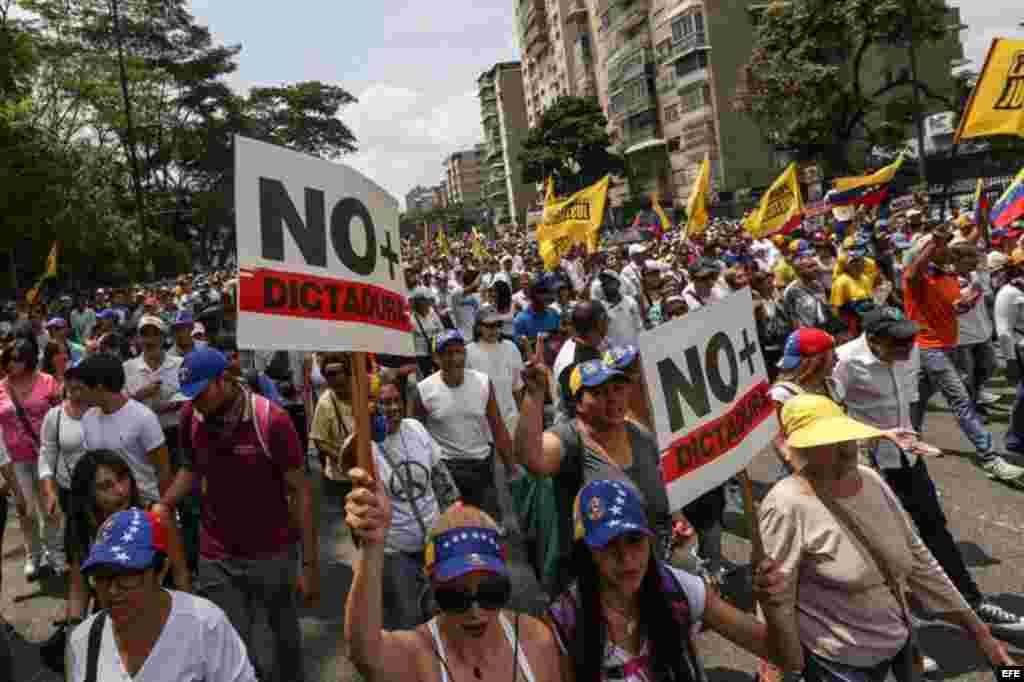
pixel 987 518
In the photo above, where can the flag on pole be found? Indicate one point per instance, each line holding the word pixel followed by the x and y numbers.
pixel 663 222
pixel 781 209
pixel 427 241
pixel 48 274
pixel 697 206
pixel 1010 206
pixel 477 245
pixel 879 177
pixel 573 220
pixel 442 241
pixel 996 106
pixel 980 205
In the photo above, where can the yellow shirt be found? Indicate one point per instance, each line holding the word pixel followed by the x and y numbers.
pixel 332 424
pixel 846 288
pixel 784 274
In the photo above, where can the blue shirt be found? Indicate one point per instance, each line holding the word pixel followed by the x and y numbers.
pixel 529 323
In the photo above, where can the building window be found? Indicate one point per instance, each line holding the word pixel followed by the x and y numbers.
pixel 672 113
pixel 673 144
pixel 685 25
pixel 695 61
pixel 617 103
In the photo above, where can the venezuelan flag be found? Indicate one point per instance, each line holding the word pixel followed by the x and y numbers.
pixel 1010 206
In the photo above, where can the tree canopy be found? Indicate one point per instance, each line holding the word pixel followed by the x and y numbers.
pixel 808 84
pixel 571 144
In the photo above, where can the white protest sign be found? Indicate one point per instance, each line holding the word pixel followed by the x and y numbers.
pixel 707 383
pixel 319 256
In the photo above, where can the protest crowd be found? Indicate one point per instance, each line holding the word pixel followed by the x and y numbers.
pixel 135 435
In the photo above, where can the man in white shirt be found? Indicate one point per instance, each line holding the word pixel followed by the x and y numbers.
pixel 501 361
pixel 974 355
pixel 875 377
pixel 632 273
pixel 625 320
pixel 147 633
pixel 459 409
pixel 703 288
pixel 124 425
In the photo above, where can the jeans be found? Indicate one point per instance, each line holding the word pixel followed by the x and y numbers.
pixel 916 491
pixel 977 364
pixel 938 372
pixel 1015 434
pixel 241 586
pixel 43 537
pixel 404 586
pixel 819 669
pixel 475 479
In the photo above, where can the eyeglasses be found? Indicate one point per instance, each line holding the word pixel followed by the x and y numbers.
pixel 492 593
pixel 125 582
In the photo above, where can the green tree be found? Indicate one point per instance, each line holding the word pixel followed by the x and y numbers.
pixel 304 117
pixel 808 86
pixel 570 143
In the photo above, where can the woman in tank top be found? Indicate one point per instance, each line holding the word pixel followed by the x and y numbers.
pixel 473 637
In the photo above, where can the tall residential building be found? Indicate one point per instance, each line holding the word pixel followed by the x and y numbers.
pixel 464 175
pixel 441 195
pixel 554 41
pixel 668 71
pixel 503 113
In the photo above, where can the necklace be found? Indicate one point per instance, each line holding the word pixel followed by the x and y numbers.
pixel 631 623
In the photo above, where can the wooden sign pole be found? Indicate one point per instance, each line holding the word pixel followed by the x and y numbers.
pixel 750 514
pixel 361 414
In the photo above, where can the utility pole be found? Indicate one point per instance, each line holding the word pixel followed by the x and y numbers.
pixel 140 200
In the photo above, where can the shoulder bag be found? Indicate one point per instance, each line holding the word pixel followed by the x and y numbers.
pixel 907 666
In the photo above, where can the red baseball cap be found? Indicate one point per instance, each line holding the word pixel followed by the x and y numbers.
pixel 803 342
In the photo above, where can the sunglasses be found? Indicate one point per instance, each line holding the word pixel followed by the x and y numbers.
pixel 492 593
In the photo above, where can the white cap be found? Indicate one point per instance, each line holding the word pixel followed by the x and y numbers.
pixel 637 250
pixel 997 259
pixel 152 321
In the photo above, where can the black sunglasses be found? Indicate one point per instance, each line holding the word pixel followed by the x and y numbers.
pixel 492 593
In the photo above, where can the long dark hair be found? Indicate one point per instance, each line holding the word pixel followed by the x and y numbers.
pixel 502 296
pixel 668 646
pixel 83 520
pixel 52 350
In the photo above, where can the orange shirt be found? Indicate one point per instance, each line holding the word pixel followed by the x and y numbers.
pixel 932 305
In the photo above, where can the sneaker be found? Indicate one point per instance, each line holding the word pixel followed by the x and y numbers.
pixel 998 618
pixel 998 469
pixel 929 665
pixel 986 398
pixel 31 570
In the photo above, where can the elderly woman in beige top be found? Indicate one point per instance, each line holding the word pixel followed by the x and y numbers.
pixel 841 620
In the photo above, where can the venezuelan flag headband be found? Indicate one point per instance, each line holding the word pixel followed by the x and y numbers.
pixel 460 551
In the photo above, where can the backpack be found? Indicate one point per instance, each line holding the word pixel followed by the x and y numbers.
pixel 279 368
pixel 262 412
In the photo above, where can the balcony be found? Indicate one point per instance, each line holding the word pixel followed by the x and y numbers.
pixel 578 11
pixel 536 13
pixel 629 67
pixel 494 154
pixel 536 41
pixel 690 42
pixel 685 82
pixel 641 138
pixel 489 110
pixel 624 48
pixel 634 105
pixel 628 17
pixel 497 177
pixel 495 190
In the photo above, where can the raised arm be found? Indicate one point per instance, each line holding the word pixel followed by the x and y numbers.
pixel 538 451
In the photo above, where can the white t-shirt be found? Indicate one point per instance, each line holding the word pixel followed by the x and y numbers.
pixel 457 417
pixel 464 307
pixel 138 374
pixel 197 644
pixel 133 432
pixel 5 457
pixel 62 444
pixel 624 322
pixel 414 454
pixel 975 324
pixel 503 364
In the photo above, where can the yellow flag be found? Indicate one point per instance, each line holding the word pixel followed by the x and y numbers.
pixel 573 220
pixel 879 177
pixel 549 194
pixel 477 246
pixel 996 106
pixel 442 241
pixel 697 206
pixel 781 208
pixel 51 271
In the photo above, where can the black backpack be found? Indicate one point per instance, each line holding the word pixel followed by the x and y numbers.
pixel 279 368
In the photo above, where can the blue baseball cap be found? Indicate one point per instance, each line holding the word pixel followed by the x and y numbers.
pixel 56 322
pixel 446 338
pixel 107 314
pixel 199 368
pixel 621 357
pixel 465 550
pixel 604 510
pixel 128 541
pixel 590 374
pixel 184 317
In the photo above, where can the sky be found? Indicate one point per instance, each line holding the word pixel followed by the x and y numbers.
pixel 413 66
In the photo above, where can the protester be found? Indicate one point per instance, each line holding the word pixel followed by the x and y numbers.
pixel 841 614
pixel 146 628
pixel 473 637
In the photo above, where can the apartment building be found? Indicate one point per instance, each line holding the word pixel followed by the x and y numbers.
pixel 554 41
pixel 504 120
pixel 464 176
pixel 419 199
pixel 667 72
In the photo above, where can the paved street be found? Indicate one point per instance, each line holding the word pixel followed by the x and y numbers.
pixel 987 518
